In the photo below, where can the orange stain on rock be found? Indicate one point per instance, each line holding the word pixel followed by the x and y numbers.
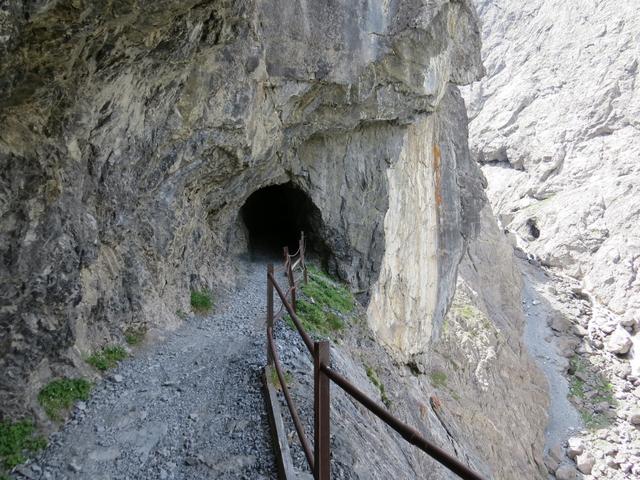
pixel 437 157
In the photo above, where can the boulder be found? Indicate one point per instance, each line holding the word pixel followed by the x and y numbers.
pixel 566 472
pixel 585 463
pixel 619 342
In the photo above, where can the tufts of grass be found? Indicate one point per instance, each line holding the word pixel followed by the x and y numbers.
pixel 182 315
pixel 135 335
pixel 375 379
pixel 60 395
pixel 315 320
pixel 275 381
pixel 17 441
pixel 438 379
pixel 576 387
pixel 322 304
pixel 328 293
pixel 201 301
pixel 107 358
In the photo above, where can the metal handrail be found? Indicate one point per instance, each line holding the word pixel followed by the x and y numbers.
pixel 319 461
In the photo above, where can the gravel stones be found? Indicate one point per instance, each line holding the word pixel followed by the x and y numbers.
pixel 190 407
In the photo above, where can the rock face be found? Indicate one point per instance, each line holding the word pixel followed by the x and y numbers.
pixel 131 136
pixel 555 122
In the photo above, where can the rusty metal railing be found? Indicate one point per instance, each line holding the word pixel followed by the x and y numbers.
pixel 319 456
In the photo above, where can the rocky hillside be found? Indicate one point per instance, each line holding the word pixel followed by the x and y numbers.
pixel 132 134
pixel 555 123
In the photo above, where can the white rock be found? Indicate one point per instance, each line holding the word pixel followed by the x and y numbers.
pixel 566 472
pixel 634 416
pixel 619 342
pixel 585 463
pixel 575 448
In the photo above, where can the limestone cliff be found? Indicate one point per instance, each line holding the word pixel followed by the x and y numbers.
pixel 132 133
pixel 555 123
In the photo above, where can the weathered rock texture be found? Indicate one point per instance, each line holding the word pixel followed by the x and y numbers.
pixel 132 133
pixel 556 123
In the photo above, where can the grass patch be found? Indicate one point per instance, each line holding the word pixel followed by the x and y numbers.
pixel 201 301
pixel 107 358
pixel 135 335
pixel 182 315
pixel 594 421
pixel 322 304
pixel 328 293
pixel 576 387
pixel 17 441
pixel 275 381
pixel 60 395
pixel 375 379
pixel 438 379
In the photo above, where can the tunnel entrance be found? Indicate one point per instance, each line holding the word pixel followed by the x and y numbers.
pixel 275 216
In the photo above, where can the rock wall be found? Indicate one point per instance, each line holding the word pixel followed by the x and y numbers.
pixel 131 133
pixel 555 122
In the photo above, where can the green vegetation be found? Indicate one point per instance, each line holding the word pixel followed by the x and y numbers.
pixel 438 379
pixel 135 335
pixel 328 293
pixel 597 384
pixel 576 387
pixel 182 315
pixel 594 421
pixel 323 304
pixel 375 379
pixel 59 396
pixel 17 441
pixel 275 381
pixel 201 301
pixel 107 358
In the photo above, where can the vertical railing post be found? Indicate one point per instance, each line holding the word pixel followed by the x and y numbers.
pixel 322 409
pixel 289 273
pixel 302 261
pixel 269 309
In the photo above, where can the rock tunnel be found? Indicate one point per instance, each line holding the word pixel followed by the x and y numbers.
pixel 274 217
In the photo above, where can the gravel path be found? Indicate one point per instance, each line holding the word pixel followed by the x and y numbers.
pixel 564 419
pixel 189 408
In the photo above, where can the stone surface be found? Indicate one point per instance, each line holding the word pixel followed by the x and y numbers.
pixel 619 342
pixel 566 472
pixel 132 136
pixel 555 123
pixel 585 463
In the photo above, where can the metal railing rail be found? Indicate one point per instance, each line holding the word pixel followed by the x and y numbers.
pixel 319 457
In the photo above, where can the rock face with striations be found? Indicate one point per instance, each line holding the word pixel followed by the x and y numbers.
pixel 132 133
pixel 556 124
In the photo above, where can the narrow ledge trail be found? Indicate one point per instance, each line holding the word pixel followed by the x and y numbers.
pixel 189 407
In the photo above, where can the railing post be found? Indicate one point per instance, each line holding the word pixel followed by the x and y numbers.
pixel 269 309
pixel 322 410
pixel 289 273
pixel 304 265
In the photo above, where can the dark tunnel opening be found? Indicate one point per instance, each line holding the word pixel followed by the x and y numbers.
pixel 275 216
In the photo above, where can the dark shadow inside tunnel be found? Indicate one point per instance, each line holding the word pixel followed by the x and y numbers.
pixel 275 216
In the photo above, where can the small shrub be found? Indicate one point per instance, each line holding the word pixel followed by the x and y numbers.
pixel 107 358
pixel 438 379
pixel 59 395
pixel 201 301
pixel 17 440
pixel 135 335
pixel 375 379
